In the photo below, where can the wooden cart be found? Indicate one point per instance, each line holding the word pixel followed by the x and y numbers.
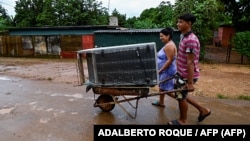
pixel 120 74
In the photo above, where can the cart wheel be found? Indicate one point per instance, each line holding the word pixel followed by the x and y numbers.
pixel 105 99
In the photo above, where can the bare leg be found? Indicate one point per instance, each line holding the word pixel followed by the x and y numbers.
pixel 201 109
pixel 160 102
pixel 161 99
pixel 183 106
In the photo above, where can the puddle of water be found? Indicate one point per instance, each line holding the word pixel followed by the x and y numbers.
pixel 6 110
pixel 78 96
pixel 4 78
pixel 44 120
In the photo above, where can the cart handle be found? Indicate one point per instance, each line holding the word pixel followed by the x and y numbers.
pixel 169 78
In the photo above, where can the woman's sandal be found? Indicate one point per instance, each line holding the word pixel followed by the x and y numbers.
pixel 156 103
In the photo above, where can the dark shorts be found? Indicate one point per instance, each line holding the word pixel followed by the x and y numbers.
pixel 179 84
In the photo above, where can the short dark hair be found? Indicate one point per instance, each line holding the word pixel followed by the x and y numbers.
pixel 167 31
pixel 188 18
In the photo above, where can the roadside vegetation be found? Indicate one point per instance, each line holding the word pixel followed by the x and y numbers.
pixel 240 97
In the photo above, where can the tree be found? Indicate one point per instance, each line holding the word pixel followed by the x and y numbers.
pixel 47 16
pixel 144 24
pixel 5 19
pixel 131 22
pixel 159 17
pixel 239 10
pixel 241 44
pixel 32 13
pixel 206 14
pixel 164 14
pixel 27 11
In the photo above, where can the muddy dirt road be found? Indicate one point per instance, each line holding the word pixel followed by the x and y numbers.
pixel 33 110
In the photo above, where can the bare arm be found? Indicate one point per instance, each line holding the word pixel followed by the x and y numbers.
pixel 190 65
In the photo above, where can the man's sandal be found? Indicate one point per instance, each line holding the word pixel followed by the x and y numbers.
pixel 174 122
pixel 202 117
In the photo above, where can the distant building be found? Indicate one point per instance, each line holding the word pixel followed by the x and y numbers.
pixel 223 36
pixel 63 42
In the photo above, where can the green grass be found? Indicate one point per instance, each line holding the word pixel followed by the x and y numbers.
pixel 241 97
pixel 244 97
pixel 221 96
pixel 50 79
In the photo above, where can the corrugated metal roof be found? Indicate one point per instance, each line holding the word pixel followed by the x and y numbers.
pixel 77 30
pixel 59 30
pixel 153 30
pixel 65 27
pixel 128 31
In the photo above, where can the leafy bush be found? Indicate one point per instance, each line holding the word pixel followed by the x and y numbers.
pixel 241 43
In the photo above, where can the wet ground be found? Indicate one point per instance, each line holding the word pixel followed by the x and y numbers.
pixel 41 110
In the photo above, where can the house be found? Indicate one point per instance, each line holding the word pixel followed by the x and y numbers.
pixel 223 36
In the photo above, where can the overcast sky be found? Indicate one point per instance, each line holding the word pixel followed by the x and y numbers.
pixel 129 7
